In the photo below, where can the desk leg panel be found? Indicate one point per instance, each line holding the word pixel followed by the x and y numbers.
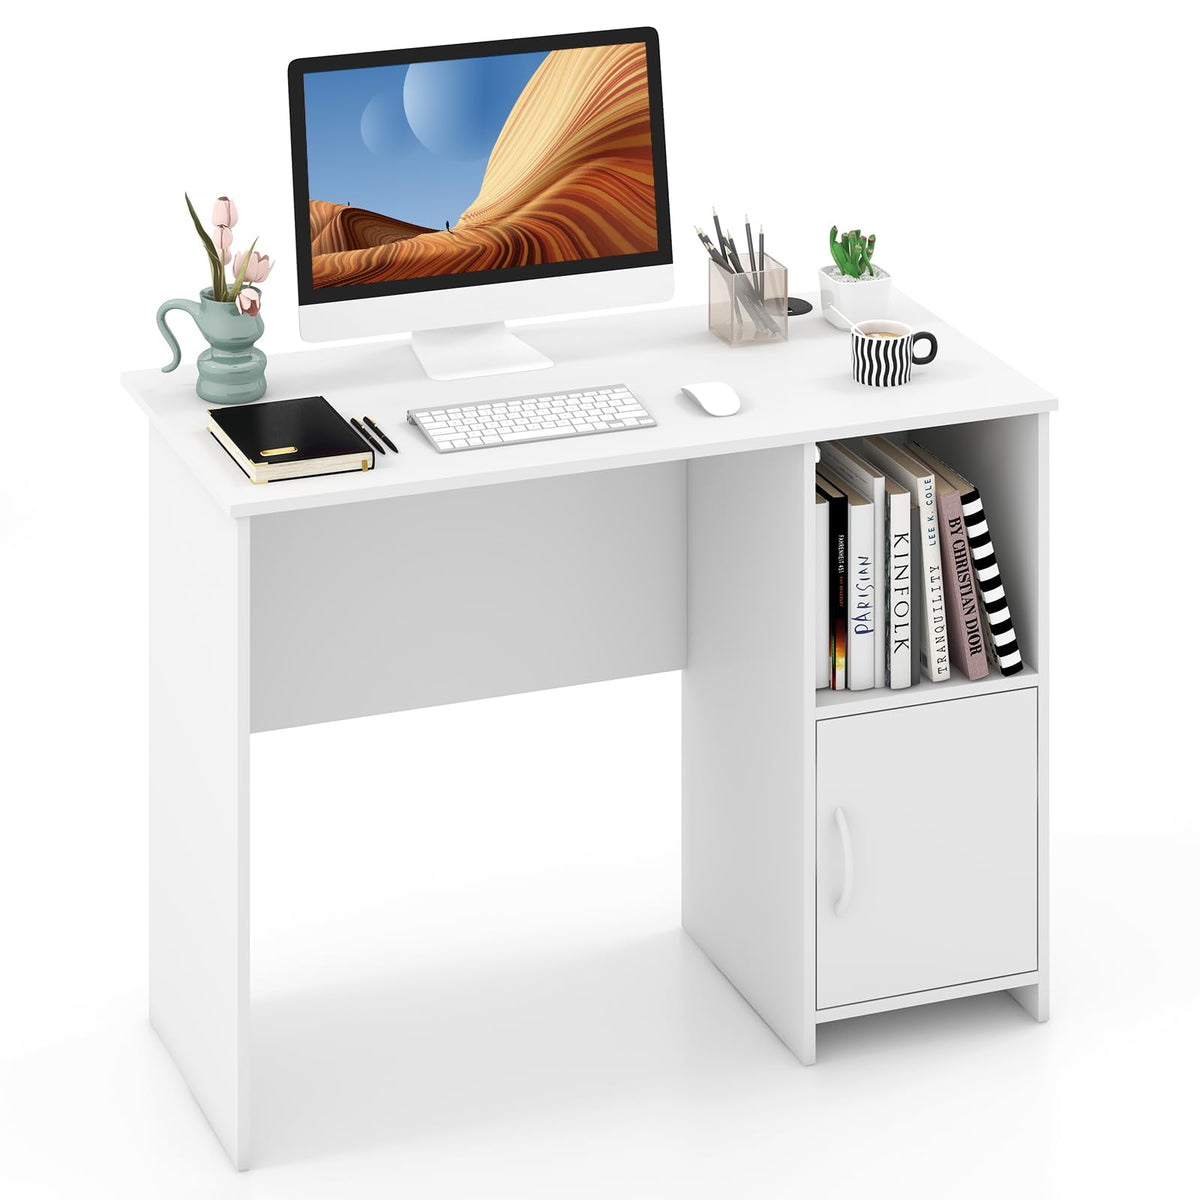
pixel 199 794
pixel 748 779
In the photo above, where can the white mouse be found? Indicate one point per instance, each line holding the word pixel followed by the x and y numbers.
pixel 717 399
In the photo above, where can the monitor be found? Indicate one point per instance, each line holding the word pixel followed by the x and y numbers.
pixel 448 189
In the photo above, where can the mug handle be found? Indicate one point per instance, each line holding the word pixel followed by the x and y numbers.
pixel 921 360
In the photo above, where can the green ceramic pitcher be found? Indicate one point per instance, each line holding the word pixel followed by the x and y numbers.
pixel 232 370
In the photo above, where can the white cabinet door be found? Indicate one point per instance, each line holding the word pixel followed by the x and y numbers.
pixel 926 847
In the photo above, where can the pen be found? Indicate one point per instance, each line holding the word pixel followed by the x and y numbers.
pixel 366 436
pixel 383 437
pixel 720 236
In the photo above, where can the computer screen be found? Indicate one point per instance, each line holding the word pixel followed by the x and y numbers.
pixel 454 166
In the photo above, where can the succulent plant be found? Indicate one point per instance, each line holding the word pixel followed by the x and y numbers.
pixel 853 253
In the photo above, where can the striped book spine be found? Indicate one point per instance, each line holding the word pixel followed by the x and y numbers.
pixel 991 587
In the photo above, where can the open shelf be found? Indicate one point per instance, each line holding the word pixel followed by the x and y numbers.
pixel 845 703
pixel 1003 457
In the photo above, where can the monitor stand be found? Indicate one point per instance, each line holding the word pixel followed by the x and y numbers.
pixel 468 351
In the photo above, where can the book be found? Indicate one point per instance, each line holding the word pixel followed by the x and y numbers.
pixel 868 480
pixel 822 606
pixel 289 439
pixel 901 630
pixel 964 615
pixel 1004 649
pixel 917 479
pixel 838 542
pixel 860 583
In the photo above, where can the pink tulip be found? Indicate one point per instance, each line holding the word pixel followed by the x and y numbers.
pixel 222 237
pixel 259 268
pixel 249 302
pixel 224 212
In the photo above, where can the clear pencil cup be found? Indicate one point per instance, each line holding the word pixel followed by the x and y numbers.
pixel 747 308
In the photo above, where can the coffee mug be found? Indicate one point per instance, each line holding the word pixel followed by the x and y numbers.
pixel 882 352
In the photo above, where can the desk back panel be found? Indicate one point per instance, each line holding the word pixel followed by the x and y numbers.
pixel 432 599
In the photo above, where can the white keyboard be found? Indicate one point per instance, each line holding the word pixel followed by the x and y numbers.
pixel 531 418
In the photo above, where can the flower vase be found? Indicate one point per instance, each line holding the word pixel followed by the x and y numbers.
pixel 232 370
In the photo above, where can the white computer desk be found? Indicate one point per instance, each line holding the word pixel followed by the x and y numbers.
pixel 684 547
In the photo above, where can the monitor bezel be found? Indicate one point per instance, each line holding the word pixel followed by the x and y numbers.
pixel 300 67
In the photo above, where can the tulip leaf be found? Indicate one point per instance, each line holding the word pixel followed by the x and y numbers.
pixel 241 275
pixel 214 259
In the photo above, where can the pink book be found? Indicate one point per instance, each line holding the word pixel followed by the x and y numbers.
pixel 966 620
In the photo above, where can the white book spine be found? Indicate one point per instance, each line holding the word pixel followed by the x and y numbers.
pixel 860 590
pixel 934 643
pixel 900 590
pixel 824 664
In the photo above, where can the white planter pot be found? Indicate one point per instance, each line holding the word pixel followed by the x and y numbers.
pixel 859 299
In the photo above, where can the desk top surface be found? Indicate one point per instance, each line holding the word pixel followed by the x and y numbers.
pixel 794 392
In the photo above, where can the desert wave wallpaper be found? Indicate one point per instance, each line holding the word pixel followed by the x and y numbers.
pixel 570 176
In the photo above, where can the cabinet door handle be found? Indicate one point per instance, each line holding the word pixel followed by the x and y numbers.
pixel 843 901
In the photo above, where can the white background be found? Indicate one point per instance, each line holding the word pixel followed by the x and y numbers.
pixel 469 976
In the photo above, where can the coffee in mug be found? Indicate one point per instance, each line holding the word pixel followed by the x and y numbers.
pixel 881 352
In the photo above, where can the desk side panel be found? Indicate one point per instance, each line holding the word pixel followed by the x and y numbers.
pixel 433 599
pixel 199 794
pixel 748 731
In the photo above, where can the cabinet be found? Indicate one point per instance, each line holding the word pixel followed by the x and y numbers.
pixel 851 852
pixel 926 847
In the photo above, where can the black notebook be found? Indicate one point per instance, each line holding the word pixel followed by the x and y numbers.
pixel 289 439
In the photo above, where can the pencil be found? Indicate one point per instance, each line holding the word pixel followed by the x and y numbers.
pixel 762 265
pixel 735 262
pixel 750 245
pixel 704 241
pixel 720 236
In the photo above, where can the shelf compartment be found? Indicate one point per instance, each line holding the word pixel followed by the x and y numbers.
pixel 1006 459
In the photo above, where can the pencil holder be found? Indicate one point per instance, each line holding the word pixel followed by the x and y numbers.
pixel 751 307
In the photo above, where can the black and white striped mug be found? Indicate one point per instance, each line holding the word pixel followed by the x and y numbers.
pixel 881 352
